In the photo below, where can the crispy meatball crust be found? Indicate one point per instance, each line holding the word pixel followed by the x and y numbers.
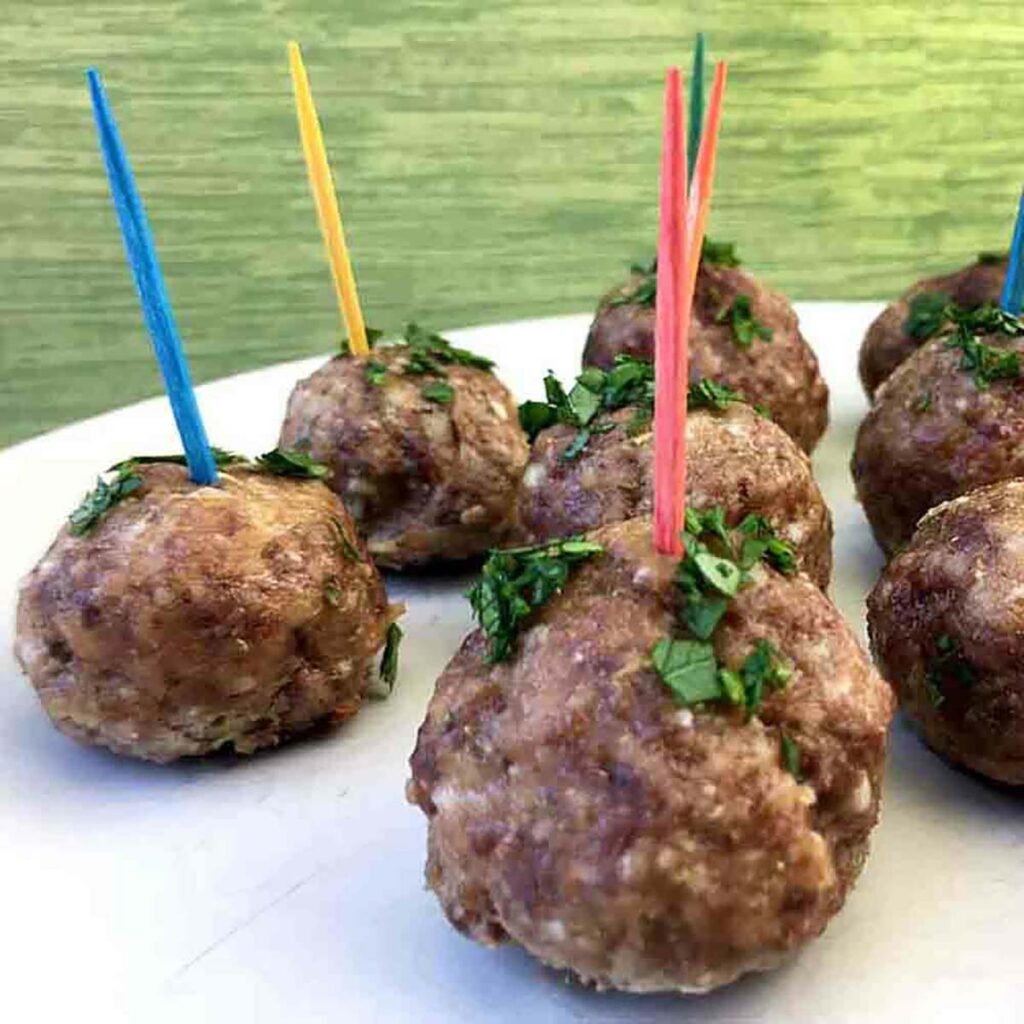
pixel 781 375
pixel 426 482
pixel 736 459
pixel 574 808
pixel 931 435
pixel 960 577
pixel 195 618
pixel 887 344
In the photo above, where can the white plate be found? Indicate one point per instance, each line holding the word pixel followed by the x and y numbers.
pixel 288 887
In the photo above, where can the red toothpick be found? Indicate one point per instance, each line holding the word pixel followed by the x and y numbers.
pixel 671 326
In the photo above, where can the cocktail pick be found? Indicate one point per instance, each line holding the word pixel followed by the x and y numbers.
pixel 140 252
pixel 328 212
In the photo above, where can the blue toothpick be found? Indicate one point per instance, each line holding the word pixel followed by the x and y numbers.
pixel 1013 290
pixel 696 114
pixel 149 282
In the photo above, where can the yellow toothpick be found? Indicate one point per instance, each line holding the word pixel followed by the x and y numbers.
pixel 325 197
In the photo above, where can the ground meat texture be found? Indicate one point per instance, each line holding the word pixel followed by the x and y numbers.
pixel 946 622
pixel 780 375
pixel 737 459
pixel 575 809
pixel 425 480
pixel 933 434
pixel 191 619
pixel 887 343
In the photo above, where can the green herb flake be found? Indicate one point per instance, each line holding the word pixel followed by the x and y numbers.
pixel 983 362
pixel 103 497
pixel 990 259
pixel 372 337
pixel 709 394
pixel 722 254
pixel 332 591
pixel 284 462
pixel 376 373
pixel 221 458
pixel 762 543
pixel 389 659
pixel 430 353
pixel 790 754
pixel 689 669
pixel 347 548
pixel 762 671
pixel 923 402
pixel 642 290
pixel 947 665
pixel 926 316
pixel 745 326
pixel 516 582
pixel 439 391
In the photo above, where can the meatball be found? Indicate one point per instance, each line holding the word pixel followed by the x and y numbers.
pixel 941 425
pixel 736 459
pixel 429 468
pixel 778 372
pixel 190 619
pixel 575 808
pixel 946 622
pixel 902 327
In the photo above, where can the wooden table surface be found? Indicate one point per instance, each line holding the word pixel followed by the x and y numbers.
pixel 496 160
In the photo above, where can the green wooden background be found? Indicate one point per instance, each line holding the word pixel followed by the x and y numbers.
pixel 497 160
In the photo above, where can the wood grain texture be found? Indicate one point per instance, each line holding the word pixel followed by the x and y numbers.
pixel 496 160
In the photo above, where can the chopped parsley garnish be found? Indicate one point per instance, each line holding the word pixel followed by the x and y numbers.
pixel 644 289
pixel 988 259
pixel 516 582
pixel 430 353
pixel 103 497
pixel 926 316
pixel 426 355
pixel 372 337
pixel 284 462
pixel 221 458
pixel 985 363
pixel 709 394
pixel 389 659
pixel 790 751
pixel 630 382
pixel 745 326
pixel 439 391
pixel 376 373
pixel 347 548
pixel 923 402
pixel 722 254
pixel 714 568
pixel 332 591
pixel 948 664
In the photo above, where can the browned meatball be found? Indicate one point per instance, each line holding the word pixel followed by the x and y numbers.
pixel 780 374
pixel 894 334
pixel 946 622
pixel 736 459
pixel 576 809
pixel 190 619
pixel 936 430
pixel 426 480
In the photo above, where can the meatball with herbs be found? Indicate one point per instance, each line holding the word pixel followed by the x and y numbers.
pixel 946 622
pixel 424 446
pixel 655 774
pixel 171 620
pixel 905 325
pixel 949 419
pixel 742 334
pixel 591 463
